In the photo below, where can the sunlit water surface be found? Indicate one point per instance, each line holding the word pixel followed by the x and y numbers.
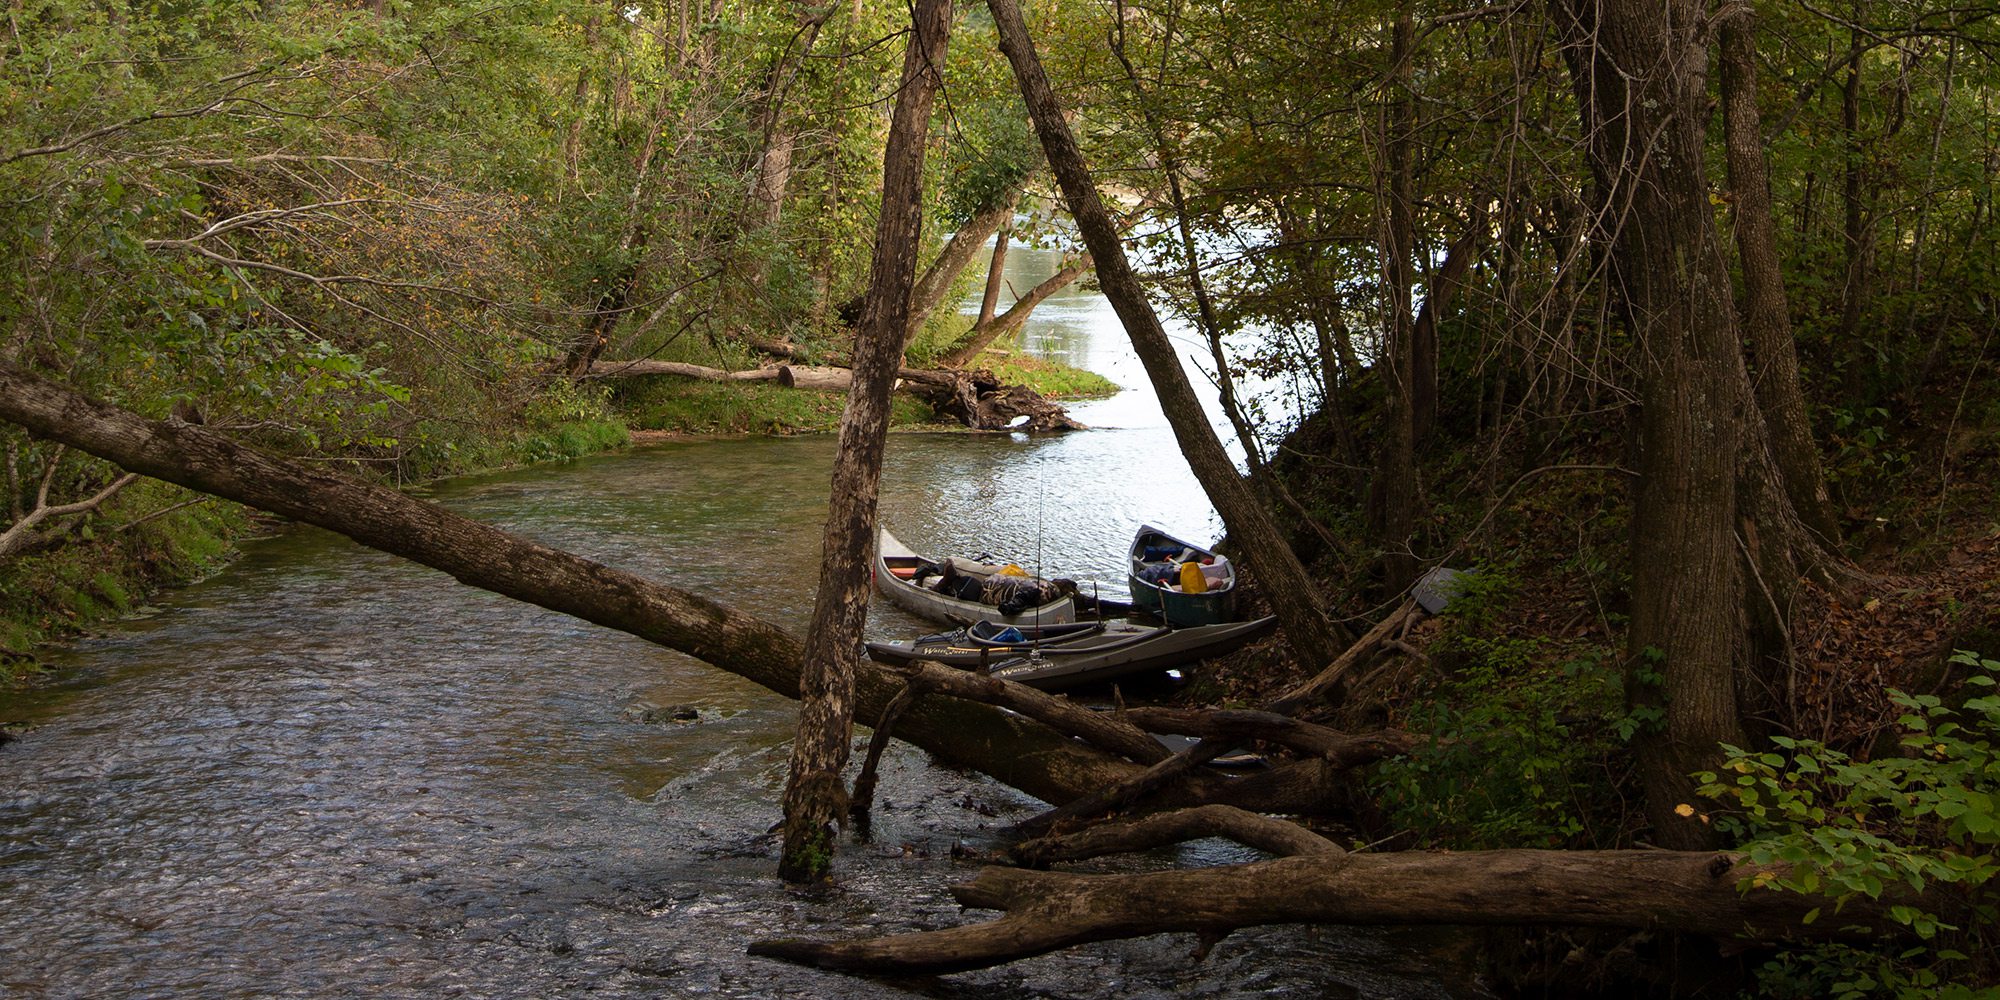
pixel 332 773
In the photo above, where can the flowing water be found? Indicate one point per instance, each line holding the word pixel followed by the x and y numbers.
pixel 331 773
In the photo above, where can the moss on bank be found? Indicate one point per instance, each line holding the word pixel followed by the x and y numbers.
pixel 1050 378
pixel 688 406
pixel 150 537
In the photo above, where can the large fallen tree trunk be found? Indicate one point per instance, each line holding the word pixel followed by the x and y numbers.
pixel 1012 749
pixel 1693 891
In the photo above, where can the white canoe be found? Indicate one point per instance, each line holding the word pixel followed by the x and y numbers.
pixel 896 565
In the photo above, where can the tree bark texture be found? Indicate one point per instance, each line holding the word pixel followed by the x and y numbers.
pixel 1392 496
pixel 1639 68
pixel 1691 891
pixel 617 369
pixel 1292 594
pixel 1272 836
pixel 996 276
pixel 1766 309
pixel 815 801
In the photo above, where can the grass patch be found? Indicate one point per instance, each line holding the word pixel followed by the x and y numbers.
pixel 689 406
pixel 1051 379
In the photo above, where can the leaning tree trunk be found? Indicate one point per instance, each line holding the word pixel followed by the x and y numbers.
pixel 1766 310
pixel 814 797
pixel 996 275
pixel 1290 590
pixel 1639 69
pixel 986 331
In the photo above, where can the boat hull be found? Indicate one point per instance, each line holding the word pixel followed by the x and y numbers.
pixel 894 560
pixel 1175 607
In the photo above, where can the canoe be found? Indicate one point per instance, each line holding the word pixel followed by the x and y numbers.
pixel 1155 553
pixel 1088 656
pixel 896 570
pixel 989 642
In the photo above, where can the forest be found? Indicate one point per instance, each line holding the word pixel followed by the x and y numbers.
pixel 1670 324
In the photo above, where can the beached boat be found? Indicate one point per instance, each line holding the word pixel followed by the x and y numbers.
pixel 1069 656
pixel 904 577
pixel 1182 583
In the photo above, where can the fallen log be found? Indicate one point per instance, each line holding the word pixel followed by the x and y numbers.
pixel 1237 725
pixel 1273 836
pixel 1164 774
pixel 1009 747
pixel 1103 730
pixel 975 399
pixel 1690 891
pixel 1119 794
pixel 616 369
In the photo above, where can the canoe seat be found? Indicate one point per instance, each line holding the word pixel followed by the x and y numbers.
pixel 902 572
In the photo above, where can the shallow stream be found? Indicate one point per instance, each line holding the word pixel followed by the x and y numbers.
pixel 331 773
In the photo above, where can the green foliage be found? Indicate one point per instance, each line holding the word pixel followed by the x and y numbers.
pixel 1053 380
pixel 700 407
pixel 1923 820
pixel 50 594
pixel 1524 752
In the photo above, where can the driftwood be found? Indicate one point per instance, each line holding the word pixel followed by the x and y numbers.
pixel 1328 682
pixel 1119 794
pixel 1273 836
pixel 1101 729
pixel 975 398
pixel 978 400
pixel 1221 731
pixel 1237 725
pixel 1693 891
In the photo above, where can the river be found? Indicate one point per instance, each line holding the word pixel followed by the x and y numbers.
pixel 327 772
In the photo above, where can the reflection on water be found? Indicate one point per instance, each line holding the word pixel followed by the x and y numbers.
pixel 329 772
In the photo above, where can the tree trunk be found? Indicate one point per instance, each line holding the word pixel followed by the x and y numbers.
pixel 1639 68
pixel 956 255
pixel 1854 193
pixel 1290 590
pixel 1766 310
pixel 982 335
pixel 1392 496
pixel 815 800
pixel 1692 891
pixel 996 276
pixel 771 175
